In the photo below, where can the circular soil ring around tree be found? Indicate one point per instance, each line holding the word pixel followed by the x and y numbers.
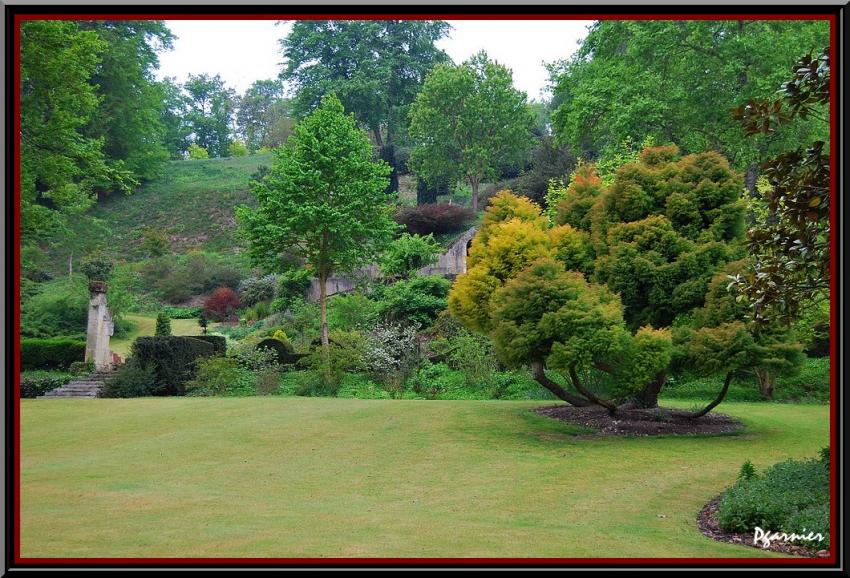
pixel 642 422
pixel 709 526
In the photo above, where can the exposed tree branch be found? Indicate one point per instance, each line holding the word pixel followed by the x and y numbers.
pixel 539 375
pixel 612 409
pixel 716 401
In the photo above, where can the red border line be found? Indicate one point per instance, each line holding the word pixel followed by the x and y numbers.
pixel 618 562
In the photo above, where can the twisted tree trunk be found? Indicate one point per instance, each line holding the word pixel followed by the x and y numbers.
pixel 716 401
pixel 539 375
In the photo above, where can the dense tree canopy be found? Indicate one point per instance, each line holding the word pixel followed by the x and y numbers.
pixel 130 102
pixel 60 166
pixel 676 80
pixel 600 288
pixel 790 239
pixel 468 120
pixel 257 112
pixel 211 109
pixel 375 67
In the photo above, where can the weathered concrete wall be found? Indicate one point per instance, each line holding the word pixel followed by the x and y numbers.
pixel 450 264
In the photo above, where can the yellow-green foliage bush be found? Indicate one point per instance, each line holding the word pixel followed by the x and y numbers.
pixel 602 285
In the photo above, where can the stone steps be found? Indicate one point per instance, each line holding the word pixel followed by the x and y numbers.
pixel 88 386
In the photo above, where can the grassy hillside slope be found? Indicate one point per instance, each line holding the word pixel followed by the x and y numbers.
pixel 192 203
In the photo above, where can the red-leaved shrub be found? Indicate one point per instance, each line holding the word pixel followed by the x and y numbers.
pixel 434 218
pixel 221 304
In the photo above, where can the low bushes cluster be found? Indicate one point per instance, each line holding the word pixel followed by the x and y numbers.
pixel 37 383
pixel 810 384
pixel 437 218
pixel 53 353
pixel 174 312
pixel 254 290
pixel 791 497
pixel 222 304
pixel 133 380
pixel 177 280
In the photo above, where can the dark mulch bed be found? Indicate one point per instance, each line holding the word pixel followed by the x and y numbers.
pixel 709 526
pixel 642 422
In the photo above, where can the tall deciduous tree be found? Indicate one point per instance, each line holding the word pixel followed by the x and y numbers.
pixel 376 67
pixel 676 80
pixel 128 118
pixel 257 112
pixel 467 120
pixel 60 165
pixel 323 200
pixel 211 109
pixel 176 128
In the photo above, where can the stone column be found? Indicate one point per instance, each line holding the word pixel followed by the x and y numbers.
pixel 99 327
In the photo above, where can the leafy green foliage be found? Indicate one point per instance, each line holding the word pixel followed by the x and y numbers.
pixel 163 325
pixel 197 152
pixel 792 496
pixel 259 109
pixel 325 373
pixel 53 353
pixel 221 376
pixel 353 312
pixel 676 80
pixel 549 162
pixel 407 254
pixel 790 242
pixel 179 279
pixel 59 308
pixel 416 300
pixel 132 380
pixel 434 218
pixel 62 163
pixel 336 211
pixel 155 242
pixel 97 267
pixel 747 471
pixel 375 67
pixel 237 149
pixel 257 289
pixel 37 383
pixel 466 121
pixel 291 287
pixel 182 312
pixel 211 106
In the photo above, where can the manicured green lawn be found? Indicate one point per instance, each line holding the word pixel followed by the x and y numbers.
pixel 307 477
pixel 146 325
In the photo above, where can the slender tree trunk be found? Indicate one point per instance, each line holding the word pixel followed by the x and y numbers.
pixel 71 265
pixel 766 380
pixel 539 375
pixel 473 183
pixel 716 401
pixel 323 308
pixel 376 131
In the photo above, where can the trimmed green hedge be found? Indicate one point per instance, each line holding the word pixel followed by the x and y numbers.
pixel 172 359
pixel 53 353
pixel 285 352
pixel 37 383
pixel 219 342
